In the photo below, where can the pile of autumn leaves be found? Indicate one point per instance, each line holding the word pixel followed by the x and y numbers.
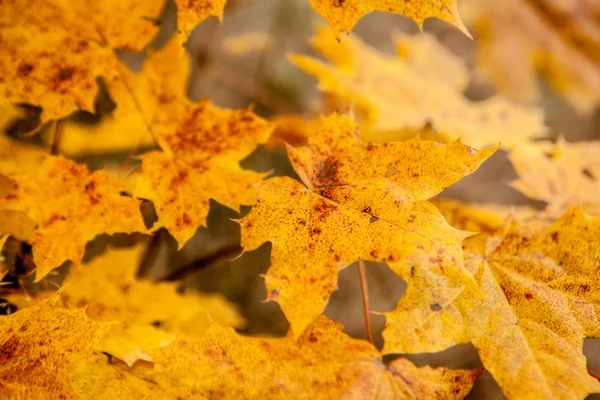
pixel 525 290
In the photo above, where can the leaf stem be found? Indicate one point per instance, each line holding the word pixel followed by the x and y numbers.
pixel 594 375
pixel 365 296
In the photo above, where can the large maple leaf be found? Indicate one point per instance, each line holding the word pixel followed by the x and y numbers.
pixel 52 51
pixel 358 200
pixel 41 346
pixel 539 299
pixel 201 144
pixel 423 84
pixel 517 40
pixel 323 363
pixel 70 207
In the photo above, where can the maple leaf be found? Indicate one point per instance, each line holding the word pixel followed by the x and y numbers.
pixel 540 300
pixel 423 84
pixel 517 40
pixel 108 287
pixel 70 207
pixel 52 51
pixel 342 15
pixel 40 347
pixel 564 175
pixel 358 200
pixel 322 363
pixel 201 144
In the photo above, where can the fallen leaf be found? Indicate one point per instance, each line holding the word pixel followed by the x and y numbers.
pixel 422 85
pixel 539 299
pixel 70 207
pixel 40 348
pixel 352 193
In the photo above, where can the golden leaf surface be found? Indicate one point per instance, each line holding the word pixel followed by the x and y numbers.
pixel 423 84
pixel 201 145
pixel 518 40
pixel 52 51
pixel 70 207
pixel 566 175
pixel 358 200
pixel 102 377
pixel 41 346
pixel 323 363
pixel 191 12
pixel 107 286
pixel 342 15
pixel 539 299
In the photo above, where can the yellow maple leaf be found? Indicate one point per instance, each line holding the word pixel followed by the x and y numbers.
pixel 52 51
pixel 518 40
pixel 323 363
pixel 358 200
pixel 540 300
pixel 41 346
pixel 342 15
pixel 564 175
pixel 423 84
pixel 201 144
pixel 70 207
pixel 107 286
